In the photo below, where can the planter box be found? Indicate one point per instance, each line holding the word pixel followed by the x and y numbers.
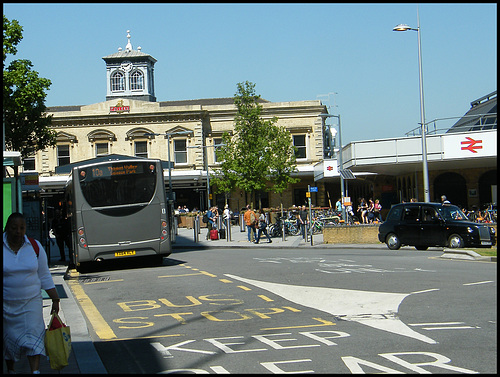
pixel 351 234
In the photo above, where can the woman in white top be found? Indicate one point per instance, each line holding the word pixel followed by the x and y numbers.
pixel 24 275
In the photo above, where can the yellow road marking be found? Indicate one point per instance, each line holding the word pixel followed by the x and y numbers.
pixel 146 337
pixel 208 274
pixel 292 309
pixel 323 323
pixel 100 326
pixel 244 288
pixel 173 276
pixel 225 281
pixel 265 298
pixel 104 281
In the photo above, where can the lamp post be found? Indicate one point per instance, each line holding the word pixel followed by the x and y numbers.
pixel 339 159
pixel 167 136
pixel 208 174
pixel 425 172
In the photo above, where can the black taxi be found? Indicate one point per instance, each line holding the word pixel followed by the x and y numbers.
pixel 433 224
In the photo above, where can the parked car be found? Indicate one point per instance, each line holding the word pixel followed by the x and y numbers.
pixel 433 224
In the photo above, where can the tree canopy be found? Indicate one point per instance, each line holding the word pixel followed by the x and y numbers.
pixel 259 151
pixel 25 122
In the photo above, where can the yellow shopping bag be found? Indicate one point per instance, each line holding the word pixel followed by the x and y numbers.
pixel 57 342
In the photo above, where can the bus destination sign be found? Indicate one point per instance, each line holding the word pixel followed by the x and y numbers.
pixel 116 169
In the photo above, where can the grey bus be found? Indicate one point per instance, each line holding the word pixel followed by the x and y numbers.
pixel 118 209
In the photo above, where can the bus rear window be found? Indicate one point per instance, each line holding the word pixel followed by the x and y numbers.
pixel 118 184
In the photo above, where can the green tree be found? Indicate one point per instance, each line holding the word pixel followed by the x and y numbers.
pixel 258 152
pixel 25 122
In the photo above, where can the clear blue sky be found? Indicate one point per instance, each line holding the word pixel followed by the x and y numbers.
pixel 291 52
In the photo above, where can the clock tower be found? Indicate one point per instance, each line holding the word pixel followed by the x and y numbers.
pixel 130 74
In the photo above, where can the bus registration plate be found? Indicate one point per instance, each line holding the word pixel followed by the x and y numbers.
pixel 124 253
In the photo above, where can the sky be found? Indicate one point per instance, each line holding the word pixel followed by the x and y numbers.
pixel 345 55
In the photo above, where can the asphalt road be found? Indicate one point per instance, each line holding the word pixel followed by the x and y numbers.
pixel 264 310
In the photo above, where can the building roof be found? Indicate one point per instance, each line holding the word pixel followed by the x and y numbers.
pixel 481 116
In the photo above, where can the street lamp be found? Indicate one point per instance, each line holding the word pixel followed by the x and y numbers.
pixel 168 135
pixel 208 174
pixel 339 159
pixel 425 172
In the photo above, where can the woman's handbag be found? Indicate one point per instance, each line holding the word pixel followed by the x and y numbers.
pixel 57 342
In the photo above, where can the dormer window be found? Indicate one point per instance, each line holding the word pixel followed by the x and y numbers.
pixel 117 82
pixel 136 81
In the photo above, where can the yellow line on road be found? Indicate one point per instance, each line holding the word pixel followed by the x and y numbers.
pixel 100 326
pixel 104 281
pixel 174 276
pixel 146 337
pixel 225 280
pixel 323 323
pixel 265 298
pixel 244 288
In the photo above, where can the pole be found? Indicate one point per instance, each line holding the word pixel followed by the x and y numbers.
pixel 341 164
pixel 425 172
pixel 308 225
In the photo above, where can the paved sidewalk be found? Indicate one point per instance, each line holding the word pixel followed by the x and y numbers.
pixel 84 359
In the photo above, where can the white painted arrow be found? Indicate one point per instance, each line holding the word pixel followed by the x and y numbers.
pixel 374 309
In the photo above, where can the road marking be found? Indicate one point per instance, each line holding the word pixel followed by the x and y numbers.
pixel 95 318
pixel 225 280
pixel 443 326
pixel 265 298
pixel 425 291
pixel 374 309
pixel 104 281
pixel 144 337
pixel 244 288
pixel 174 276
pixel 479 282
pixel 208 274
pixel 323 323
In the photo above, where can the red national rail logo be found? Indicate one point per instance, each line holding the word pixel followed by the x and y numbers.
pixel 471 145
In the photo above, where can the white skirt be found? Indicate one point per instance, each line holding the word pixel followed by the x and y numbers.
pixel 23 328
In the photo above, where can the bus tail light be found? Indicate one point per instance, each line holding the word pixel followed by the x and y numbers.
pixel 81 237
pixel 163 230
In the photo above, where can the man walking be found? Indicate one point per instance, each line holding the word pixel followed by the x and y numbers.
pixel 303 220
pixel 250 219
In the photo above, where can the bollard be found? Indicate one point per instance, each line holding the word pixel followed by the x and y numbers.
pixel 198 225
pixel 195 228
pixel 228 229
pixel 283 230
pixel 242 222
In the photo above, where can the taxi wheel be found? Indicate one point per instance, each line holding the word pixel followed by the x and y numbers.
pixel 393 241
pixel 455 241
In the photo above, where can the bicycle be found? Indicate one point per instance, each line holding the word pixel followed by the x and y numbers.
pixel 291 227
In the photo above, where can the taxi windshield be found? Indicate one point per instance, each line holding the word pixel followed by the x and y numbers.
pixel 451 212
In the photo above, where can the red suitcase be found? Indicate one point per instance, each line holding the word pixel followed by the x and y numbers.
pixel 214 234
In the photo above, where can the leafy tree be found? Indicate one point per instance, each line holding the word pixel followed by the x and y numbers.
pixel 258 152
pixel 26 125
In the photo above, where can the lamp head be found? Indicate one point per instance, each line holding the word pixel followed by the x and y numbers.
pixel 401 27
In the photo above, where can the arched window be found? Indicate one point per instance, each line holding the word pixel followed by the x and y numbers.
pixel 136 80
pixel 117 82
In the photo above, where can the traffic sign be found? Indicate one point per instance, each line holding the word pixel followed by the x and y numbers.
pixel 313 189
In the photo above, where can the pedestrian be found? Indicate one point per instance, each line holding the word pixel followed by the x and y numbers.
pixel 363 210
pixel 303 217
pixel 226 215
pixel 24 273
pixel 338 206
pixel 61 228
pixel 212 215
pixel 444 200
pixel 377 208
pixel 250 219
pixel 262 227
